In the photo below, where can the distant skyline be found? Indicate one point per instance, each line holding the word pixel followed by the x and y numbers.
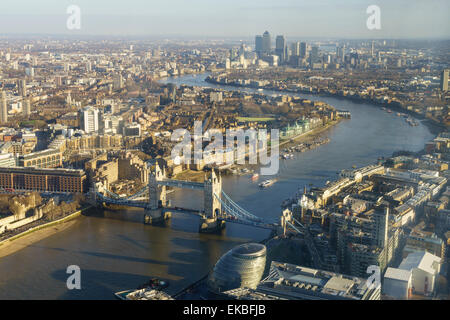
pixel 231 18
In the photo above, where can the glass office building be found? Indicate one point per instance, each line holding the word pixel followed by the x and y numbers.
pixel 242 266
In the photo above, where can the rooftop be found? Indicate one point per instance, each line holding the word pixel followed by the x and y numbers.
pixel 250 249
pixel 421 260
pixel 50 171
pixel 296 282
pixel 398 274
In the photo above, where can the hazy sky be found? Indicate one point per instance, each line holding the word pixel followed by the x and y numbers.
pixel 233 18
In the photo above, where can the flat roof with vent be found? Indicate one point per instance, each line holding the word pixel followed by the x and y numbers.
pixel 296 282
pixel 398 274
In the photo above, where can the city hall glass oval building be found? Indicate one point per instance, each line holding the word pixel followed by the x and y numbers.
pixel 242 266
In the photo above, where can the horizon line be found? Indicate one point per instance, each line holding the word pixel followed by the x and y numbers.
pixel 213 37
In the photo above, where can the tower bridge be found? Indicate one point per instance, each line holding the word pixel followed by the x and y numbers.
pixel 218 207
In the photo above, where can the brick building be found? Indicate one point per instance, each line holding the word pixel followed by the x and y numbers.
pixel 56 180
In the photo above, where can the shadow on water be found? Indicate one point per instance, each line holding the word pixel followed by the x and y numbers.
pixel 101 284
pixel 133 241
pixel 98 284
pixel 116 251
pixel 117 257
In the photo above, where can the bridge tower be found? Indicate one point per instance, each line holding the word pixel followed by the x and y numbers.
pixel 286 217
pixel 213 208
pixel 156 193
pixel 157 196
pixel 92 196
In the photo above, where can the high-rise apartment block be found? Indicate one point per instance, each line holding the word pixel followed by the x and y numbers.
pixel 27 107
pixel 3 109
pixel 444 79
pixel 89 119
pixel 22 87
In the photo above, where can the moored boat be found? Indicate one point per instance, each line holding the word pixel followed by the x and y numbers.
pixel 143 294
pixel 151 290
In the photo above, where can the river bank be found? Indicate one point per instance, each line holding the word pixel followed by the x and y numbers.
pixel 432 125
pixel 37 233
pixel 116 250
pixel 310 136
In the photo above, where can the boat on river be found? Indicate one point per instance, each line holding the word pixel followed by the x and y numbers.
pixel 151 290
pixel 267 183
pixel 142 294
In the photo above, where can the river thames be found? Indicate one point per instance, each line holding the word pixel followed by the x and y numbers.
pixel 115 251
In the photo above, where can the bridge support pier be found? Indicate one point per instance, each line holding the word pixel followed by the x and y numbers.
pixel 156 216
pixel 211 225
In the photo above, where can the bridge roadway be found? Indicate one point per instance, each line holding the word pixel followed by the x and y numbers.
pixel 230 212
pixel 168 183
pixel 234 213
pixel 231 219
pixel 182 184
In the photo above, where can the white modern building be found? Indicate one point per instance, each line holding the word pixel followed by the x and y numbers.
pixel 89 119
pixel 7 160
pixel 397 283
pixel 425 268
pixel 112 124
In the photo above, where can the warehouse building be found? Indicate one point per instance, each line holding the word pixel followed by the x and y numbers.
pixel 34 179
pixel 49 158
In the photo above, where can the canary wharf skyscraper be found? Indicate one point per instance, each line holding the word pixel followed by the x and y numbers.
pixel 266 43
pixel 280 48
pixel 263 44
pixel 303 50
pixel 259 44
pixel 314 56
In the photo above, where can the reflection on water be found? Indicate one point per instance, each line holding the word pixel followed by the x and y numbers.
pixel 115 251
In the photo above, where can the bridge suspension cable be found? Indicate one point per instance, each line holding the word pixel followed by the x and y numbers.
pixel 296 221
pixel 125 202
pixel 229 207
pixel 138 194
pixel 131 197
pixel 294 227
pixel 240 209
pixel 235 210
pixel 112 194
pixel 238 212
